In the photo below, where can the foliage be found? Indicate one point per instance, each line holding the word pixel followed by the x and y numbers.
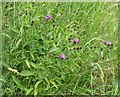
pixel 32 47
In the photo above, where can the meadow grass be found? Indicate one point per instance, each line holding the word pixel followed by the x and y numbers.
pixel 32 45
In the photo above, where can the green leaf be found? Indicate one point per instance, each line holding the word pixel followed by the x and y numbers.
pixel 34 65
pixel 21 29
pixel 35 92
pixel 33 58
pixel 26 73
pixel 48 83
pixel 37 83
pixel 6 35
pixel 19 84
pixel 28 91
pixel 54 84
pixel 58 80
pixel 2 79
pixel 17 44
pixel 36 87
pixel 27 43
pixel 37 66
pixel 27 62
pixel 53 49
pixel 15 30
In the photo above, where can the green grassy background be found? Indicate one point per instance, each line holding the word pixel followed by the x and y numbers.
pixel 34 50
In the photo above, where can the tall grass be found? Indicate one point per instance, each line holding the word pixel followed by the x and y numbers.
pixel 32 47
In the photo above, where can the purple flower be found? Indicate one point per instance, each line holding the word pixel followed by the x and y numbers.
pixel 62 56
pixel 107 43
pixel 48 17
pixel 76 40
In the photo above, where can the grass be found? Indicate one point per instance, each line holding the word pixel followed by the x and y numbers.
pixel 32 47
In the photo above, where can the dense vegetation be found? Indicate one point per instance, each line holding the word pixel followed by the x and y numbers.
pixel 41 55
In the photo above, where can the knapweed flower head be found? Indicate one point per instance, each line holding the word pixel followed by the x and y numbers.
pixel 62 56
pixel 107 43
pixel 76 40
pixel 48 17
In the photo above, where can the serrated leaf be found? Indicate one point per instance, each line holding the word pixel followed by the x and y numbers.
pixel 26 73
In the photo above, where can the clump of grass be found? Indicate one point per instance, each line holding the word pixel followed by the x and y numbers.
pixel 36 34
